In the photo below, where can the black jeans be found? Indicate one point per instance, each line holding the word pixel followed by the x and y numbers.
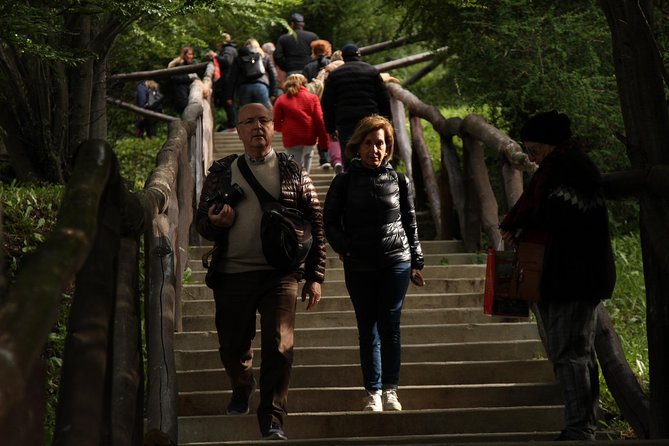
pixel 274 296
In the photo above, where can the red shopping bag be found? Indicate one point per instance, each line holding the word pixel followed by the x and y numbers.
pixel 497 299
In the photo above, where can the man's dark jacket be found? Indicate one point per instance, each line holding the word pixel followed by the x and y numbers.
pixel 293 51
pixel 353 91
pixel 297 191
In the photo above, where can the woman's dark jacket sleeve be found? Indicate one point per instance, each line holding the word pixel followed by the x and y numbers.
pixel 409 223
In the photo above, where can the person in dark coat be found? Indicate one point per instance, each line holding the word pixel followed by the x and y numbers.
pixel 564 209
pixel 370 222
pixel 293 50
pixel 181 82
pixel 321 50
pixel 352 91
pixel 226 56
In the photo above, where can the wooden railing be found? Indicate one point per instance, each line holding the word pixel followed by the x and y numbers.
pixel 97 241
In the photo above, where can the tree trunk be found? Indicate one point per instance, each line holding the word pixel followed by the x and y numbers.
pixel 639 73
pixel 80 78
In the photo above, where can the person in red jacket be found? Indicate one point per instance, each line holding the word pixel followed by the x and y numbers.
pixel 299 117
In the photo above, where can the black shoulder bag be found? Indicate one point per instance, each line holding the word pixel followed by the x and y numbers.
pixel 284 232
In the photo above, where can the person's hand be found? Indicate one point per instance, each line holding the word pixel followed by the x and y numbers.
pixel 417 277
pixel 509 239
pixel 313 291
pixel 223 219
pixel 229 102
pixel 334 136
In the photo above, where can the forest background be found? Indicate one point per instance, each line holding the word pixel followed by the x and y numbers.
pixel 505 60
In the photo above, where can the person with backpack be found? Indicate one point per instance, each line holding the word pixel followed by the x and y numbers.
pixel 225 57
pixel 253 77
pixel 148 96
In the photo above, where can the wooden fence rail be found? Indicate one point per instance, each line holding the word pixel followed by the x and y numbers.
pixel 96 240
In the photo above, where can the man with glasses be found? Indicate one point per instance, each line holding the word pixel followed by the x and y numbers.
pixel 241 278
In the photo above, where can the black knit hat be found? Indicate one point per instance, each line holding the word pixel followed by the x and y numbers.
pixel 547 128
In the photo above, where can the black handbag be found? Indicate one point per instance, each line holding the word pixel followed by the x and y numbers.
pixel 284 232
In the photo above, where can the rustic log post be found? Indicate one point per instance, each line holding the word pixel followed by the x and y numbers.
pixel 418 75
pixel 141 111
pixel 24 424
pixel 127 400
pixel 161 401
pixel 478 178
pixel 159 74
pixel 80 419
pixel 452 177
pixel 409 60
pixel 402 142
pixel 30 308
pixel 429 178
pixel 619 377
pixel 471 230
pixel 388 44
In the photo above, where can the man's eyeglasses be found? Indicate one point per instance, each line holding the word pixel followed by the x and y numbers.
pixel 253 121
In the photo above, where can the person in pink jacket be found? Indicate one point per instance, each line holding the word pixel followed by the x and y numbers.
pixel 299 117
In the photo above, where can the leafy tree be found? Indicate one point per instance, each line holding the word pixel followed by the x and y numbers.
pixel 53 63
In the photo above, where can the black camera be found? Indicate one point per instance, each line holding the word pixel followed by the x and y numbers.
pixel 230 197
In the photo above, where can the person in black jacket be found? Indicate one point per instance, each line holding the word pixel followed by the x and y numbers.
pixel 293 49
pixel 564 209
pixel 226 56
pixel 181 82
pixel 370 222
pixel 352 91
pixel 321 50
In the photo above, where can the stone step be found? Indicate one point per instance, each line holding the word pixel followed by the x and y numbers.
pixel 332 399
pixel 195 263
pixel 313 319
pixel 337 273
pixel 513 350
pixel 411 334
pixel 338 287
pixel 413 374
pixel 205 305
pixel 439 247
pixel 200 294
pixel 337 425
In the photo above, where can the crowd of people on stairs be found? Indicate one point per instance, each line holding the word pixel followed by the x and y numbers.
pixel 338 103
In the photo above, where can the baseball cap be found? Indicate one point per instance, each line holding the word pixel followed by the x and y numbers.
pixel 350 51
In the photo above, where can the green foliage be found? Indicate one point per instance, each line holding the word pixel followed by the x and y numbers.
pixel 137 158
pixel 627 309
pixel 29 214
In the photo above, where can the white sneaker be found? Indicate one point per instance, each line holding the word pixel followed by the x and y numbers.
pixel 338 168
pixel 373 402
pixel 326 166
pixel 390 401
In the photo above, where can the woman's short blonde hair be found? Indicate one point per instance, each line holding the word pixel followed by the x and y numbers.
pixel 367 125
pixel 293 83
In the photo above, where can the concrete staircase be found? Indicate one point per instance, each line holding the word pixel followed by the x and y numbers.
pixel 465 377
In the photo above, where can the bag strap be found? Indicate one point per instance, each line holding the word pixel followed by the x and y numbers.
pixel 261 193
